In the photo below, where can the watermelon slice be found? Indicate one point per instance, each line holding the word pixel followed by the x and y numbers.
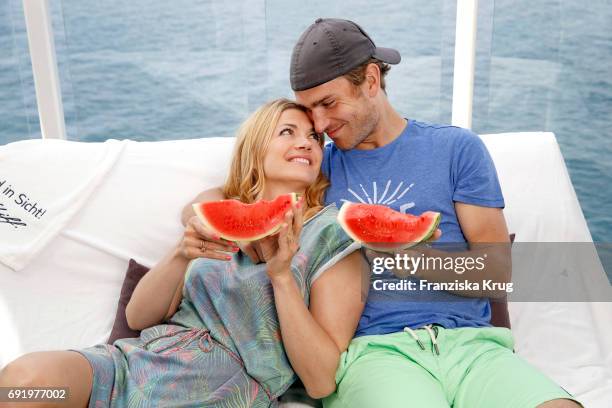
pixel 236 221
pixel 381 228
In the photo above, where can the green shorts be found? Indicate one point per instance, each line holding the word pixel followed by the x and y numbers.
pixel 475 368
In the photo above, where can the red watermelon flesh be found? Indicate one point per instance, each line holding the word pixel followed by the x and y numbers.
pixel 236 221
pixel 383 229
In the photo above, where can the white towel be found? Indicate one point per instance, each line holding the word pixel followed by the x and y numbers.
pixel 43 183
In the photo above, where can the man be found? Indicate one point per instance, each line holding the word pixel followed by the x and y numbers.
pixel 440 351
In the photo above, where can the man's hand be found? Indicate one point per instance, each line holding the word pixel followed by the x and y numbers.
pixel 370 254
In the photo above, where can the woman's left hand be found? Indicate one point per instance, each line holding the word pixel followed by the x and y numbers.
pixel 288 243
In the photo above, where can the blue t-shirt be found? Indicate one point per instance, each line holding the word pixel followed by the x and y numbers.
pixel 427 168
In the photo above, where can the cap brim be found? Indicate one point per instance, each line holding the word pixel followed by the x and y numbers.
pixel 388 55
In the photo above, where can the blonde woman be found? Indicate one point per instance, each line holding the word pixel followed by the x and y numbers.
pixel 217 329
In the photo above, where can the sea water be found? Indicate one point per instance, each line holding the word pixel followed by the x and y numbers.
pixel 169 70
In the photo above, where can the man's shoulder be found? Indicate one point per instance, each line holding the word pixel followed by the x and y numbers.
pixel 442 130
pixel 448 137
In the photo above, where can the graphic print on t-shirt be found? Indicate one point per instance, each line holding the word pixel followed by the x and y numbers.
pixel 373 197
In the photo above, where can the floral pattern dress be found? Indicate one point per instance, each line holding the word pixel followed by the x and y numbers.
pixel 223 347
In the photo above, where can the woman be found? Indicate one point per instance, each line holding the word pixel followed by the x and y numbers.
pixel 212 327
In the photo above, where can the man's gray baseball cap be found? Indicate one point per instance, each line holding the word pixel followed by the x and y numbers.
pixel 330 48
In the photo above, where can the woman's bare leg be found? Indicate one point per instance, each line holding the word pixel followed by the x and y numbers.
pixel 50 369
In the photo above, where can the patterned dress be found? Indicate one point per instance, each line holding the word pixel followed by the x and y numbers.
pixel 223 347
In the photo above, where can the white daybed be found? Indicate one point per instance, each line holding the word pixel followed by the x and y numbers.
pixel 121 199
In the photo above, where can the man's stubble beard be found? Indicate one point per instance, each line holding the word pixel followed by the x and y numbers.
pixel 365 124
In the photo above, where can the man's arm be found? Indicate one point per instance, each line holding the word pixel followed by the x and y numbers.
pixel 487 235
pixel 482 224
pixel 485 230
pixel 212 194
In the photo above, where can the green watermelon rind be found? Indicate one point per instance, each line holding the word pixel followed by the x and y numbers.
pixel 400 245
pixel 273 230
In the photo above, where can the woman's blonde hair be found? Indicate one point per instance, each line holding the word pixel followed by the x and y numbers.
pixel 246 178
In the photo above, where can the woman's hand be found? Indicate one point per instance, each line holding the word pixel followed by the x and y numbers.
pixel 288 239
pixel 199 242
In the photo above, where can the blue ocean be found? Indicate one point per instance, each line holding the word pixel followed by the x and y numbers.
pixel 186 69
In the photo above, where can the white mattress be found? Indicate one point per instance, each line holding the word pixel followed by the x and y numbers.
pixel 66 297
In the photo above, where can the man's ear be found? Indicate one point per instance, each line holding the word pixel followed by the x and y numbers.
pixel 372 80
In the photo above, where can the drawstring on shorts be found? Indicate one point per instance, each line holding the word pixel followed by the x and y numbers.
pixel 433 335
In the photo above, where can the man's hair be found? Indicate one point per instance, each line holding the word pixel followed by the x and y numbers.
pixel 357 75
pixel 246 177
